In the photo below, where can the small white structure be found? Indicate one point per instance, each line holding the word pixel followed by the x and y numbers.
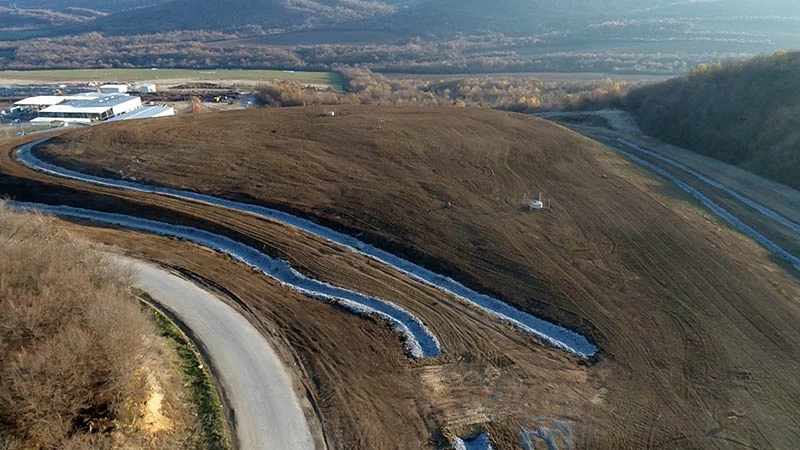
pixel 146 112
pixel 330 113
pixel 89 109
pixel 114 88
pixel 536 204
pixel 147 88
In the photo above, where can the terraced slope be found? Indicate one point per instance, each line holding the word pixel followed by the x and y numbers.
pixel 696 324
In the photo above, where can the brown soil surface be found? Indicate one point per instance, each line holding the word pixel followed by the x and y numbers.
pixel 780 198
pixel 696 323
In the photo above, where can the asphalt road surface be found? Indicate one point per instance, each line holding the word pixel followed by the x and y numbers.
pixel 256 384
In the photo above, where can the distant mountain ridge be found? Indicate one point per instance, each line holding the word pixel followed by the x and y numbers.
pixel 415 17
pixel 438 17
pixel 421 36
pixel 97 5
pixel 229 15
pixel 407 18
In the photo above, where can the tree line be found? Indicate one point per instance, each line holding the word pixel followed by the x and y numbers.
pixel 489 53
pixel 521 94
pixel 744 112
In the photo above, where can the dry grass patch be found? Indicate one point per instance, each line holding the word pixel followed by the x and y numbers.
pixel 83 365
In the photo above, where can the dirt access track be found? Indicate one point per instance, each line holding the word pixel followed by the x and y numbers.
pixel 696 324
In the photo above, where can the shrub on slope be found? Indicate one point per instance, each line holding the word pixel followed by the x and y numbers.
pixel 72 340
pixel 745 113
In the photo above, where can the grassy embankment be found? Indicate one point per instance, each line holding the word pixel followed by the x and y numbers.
pixel 201 386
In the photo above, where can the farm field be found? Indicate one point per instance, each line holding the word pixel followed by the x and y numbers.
pixel 543 76
pixel 166 76
pixel 696 324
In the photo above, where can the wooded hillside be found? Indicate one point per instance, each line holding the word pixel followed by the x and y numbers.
pixel 745 113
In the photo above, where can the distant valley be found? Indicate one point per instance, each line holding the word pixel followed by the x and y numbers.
pixel 420 36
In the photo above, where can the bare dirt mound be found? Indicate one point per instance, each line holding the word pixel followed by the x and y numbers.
pixel 697 325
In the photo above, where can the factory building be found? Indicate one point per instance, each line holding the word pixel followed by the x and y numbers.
pixel 88 108
pixel 41 102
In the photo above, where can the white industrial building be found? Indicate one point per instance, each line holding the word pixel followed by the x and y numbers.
pixel 91 107
pixel 88 108
pixel 43 101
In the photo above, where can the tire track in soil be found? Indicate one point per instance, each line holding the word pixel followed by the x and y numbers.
pixel 627 320
pixel 472 336
pixel 549 332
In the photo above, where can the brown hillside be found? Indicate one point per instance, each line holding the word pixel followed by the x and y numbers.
pixel 697 326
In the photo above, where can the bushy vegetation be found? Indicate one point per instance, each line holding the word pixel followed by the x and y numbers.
pixel 72 340
pixel 33 18
pixel 745 113
pixel 521 94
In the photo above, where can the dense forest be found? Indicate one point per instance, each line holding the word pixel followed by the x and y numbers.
pixel 745 113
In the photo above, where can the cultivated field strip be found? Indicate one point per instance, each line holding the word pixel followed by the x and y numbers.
pixel 553 334
pixel 716 209
pixel 419 340
pixel 773 215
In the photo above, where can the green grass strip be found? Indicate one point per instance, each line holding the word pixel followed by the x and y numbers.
pixel 201 385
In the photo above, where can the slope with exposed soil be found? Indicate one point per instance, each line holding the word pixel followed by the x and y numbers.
pixel 663 288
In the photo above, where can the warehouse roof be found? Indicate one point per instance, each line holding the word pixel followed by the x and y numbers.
pixel 146 112
pixel 49 100
pixel 97 104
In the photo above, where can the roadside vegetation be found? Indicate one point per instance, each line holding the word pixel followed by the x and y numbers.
pixel 83 364
pixel 746 113
pixel 215 434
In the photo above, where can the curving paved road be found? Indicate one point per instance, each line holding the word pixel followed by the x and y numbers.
pixel 256 384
